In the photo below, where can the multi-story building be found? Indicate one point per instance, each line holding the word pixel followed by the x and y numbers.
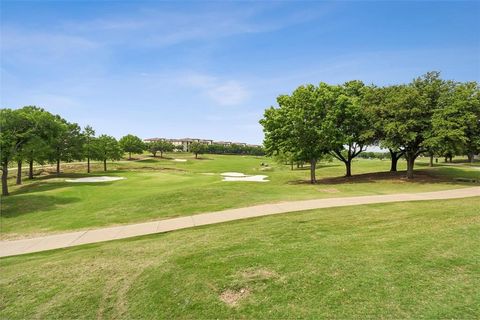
pixel 223 143
pixel 184 144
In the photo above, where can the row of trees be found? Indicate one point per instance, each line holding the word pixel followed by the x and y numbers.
pixel 200 148
pixel 33 135
pixel 428 116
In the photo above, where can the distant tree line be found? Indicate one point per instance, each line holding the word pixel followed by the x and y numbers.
pixel 235 149
pixel 201 148
pixel 428 116
pixel 374 155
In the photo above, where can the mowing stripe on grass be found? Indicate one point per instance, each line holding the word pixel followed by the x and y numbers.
pixel 63 240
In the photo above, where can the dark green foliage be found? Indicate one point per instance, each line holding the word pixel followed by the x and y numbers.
pixel 132 144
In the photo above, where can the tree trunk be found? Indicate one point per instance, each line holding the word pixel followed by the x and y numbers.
pixel 450 158
pixel 30 169
pixel 19 172
pixel 196 155
pixel 88 165
pixel 291 165
pixel 410 165
pixel 394 160
pixel 161 154
pixel 129 156
pixel 393 166
pixel 4 179
pixel 431 160
pixel 104 164
pixel 446 159
pixel 471 157
pixel 313 165
pixel 58 166
pixel 348 166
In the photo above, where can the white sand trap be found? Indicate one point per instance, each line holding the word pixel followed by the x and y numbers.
pixel 233 174
pixel 237 176
pixel 180 160
pixel 95 179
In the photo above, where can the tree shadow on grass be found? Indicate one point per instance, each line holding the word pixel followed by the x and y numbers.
pixel 319 166
pixel 420 176
pixel 148 168
pixel 15 206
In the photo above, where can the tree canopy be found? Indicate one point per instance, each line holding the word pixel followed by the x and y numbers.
pixel 426 116
pixel 131 144
pixel 197 148
pixel 107 148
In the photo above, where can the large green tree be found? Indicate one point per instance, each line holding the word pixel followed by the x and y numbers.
pixel 36 150
pixel 407 112
pixel 132 144
pixel 470 95
pixel 14 134
pixel 107 148
pixel 197 148
pixel 35 139
pixel 67 142
pixel 352 129
pixel 298 124
pixel 89 145
pixel 374 102
pixel 159 146
pixel 408 120
pixel 465 102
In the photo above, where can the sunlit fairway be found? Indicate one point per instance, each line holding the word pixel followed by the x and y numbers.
pixel 161 188
pixel 401 260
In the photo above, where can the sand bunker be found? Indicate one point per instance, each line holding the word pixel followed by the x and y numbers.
pixel 180 160
pixel 233 174
pixel 237 176
pixel 95 179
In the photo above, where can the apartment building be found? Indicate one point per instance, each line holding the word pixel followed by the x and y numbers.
pixel 185 143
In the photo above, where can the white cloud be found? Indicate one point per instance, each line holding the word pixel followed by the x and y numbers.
pixel 221 91
pixel 41 43
pixel 228 94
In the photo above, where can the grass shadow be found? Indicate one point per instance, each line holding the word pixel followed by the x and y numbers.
pixel 319 166
pixel 16 206
pixel 420 176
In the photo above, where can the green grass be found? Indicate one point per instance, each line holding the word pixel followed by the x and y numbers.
pixel 400 260
pixel 162 188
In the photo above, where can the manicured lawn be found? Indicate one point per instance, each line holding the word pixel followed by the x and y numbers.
pixel 161 188
pixel 401 260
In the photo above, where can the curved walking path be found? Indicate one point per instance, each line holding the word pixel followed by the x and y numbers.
pixel 64 240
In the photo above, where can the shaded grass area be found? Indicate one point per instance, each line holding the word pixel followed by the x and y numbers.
pixel 400 260
pixel 161 188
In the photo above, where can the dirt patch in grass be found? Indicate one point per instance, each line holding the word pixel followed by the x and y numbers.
pixel 232 297
pixel 329 190
pixel 245 282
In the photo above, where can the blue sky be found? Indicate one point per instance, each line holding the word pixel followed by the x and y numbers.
pixel 209 69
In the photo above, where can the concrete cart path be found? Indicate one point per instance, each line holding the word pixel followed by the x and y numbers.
pixel 63 240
